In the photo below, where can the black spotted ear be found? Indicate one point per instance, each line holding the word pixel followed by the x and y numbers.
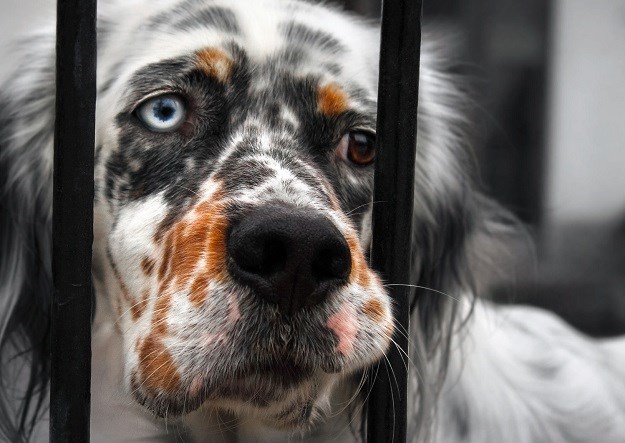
pixel 453 225
pixel 440 240
pixel 26 143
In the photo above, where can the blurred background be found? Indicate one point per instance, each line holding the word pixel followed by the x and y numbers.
pixel 548 81
pixel 548 78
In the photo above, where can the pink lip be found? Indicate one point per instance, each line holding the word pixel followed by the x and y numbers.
pixel 344 325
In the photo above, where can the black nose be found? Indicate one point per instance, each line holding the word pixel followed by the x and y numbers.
pixel 290 256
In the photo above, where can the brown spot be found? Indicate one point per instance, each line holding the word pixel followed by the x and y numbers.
pixel 125 296
pixel 120 280
pixel 205 207
pixel 332 100
pixel 334 201
pixel 124 289
pixel 188 250
pixel 147 264
pixel 161 309
pixel 198 291
pixel 157 367
pixel 215 63
pixel 374 309
pixel 360 270
pixel 164 225
pixel 167 250
pixel 363 277
pixel 216 245
pixel 200 234
pixel 137 309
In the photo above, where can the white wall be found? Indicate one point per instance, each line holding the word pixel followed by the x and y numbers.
pixel 586 170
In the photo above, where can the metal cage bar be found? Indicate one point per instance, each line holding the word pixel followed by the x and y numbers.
pixel 392 215
pixel 72 221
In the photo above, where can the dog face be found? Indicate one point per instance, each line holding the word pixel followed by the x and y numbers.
pixel 234 176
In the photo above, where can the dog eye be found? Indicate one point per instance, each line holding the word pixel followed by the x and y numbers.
pixel 357 147
pixel 164 113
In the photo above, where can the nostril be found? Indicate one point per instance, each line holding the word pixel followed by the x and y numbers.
pixel 274 256
pixel 333 263
pixel 262 255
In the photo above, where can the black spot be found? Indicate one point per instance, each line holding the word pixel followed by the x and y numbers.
pixel 290 56
pixel 247 174
pixel 216 17
pixel 178 162
pixel 168 16
pixel 301 35
pixel 333 68
pixel 167 73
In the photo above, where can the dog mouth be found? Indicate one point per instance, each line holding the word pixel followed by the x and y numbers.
pixel 283 372
pixel 259 386
pixel 260 359
pixel 264 383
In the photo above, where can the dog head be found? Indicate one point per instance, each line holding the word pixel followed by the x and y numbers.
pixel 234 169
pixel 234 178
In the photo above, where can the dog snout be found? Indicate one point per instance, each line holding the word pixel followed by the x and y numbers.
pixel 289 256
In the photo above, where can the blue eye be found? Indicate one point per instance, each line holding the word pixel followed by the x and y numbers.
pixel 164 113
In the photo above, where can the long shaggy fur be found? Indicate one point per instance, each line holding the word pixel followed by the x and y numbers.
pixel 479 373
pixel 26 128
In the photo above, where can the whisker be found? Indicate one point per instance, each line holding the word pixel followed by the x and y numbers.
pixel 424 287
pixel 186 189
pixel 388 363
pixel 352 398
pixel 363 205
pixel 358 409
pixel 405 357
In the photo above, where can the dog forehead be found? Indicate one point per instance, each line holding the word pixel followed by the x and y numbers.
pixel 299 37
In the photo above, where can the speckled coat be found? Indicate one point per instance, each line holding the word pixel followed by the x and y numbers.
pixel 213 113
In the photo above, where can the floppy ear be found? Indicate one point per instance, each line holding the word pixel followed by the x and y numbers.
pixel 26 153
pixel 446 205
pixel 27 107
pixel 455 228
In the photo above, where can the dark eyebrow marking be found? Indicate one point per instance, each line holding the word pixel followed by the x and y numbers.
pixel 169 15
pixel 157 75
pixel 216 17
pixel 300 34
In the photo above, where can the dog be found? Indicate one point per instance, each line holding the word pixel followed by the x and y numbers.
pixel 234 157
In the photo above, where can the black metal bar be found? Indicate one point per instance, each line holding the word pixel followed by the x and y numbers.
pixel 72 229
pixel 392 219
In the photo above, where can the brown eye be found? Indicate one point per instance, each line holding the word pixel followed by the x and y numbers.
pixel 357 147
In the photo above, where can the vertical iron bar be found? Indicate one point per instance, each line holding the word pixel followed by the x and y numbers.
pixel 72 229
pixel 392 218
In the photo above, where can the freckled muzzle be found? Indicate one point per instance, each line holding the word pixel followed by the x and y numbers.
pixel 291 257
pixel 235 264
